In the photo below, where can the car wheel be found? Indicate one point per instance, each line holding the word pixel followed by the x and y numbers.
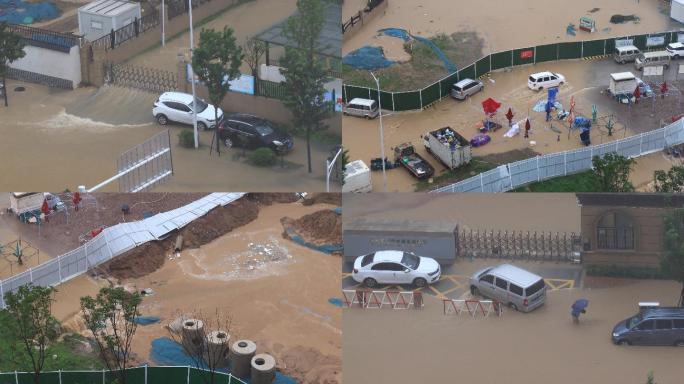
pixel 561 83
pixel 679 343
pixel 370 282
pixel 420 282
pixel 201 126
pixel 539 89
pixel 623 342
pixel 474 291
pixel 228 142
pixel 162 119
pixel 513 306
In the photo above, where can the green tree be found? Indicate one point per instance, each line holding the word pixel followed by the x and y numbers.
pixel 672 261
pixel 671 181
pixel 216 61
pixel 11 49
pixel 612 171
pixel 650 379
pixel 254 50
pixel 30 313
pixel 304 72
pixel 110 317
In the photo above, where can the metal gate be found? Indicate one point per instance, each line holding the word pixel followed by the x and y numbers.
pixel 143 78
pixel 520 245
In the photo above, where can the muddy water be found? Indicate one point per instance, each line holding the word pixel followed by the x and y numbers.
pixel 585 80
pixel 53 140
pixel 275 291
pixel 511 24
pixel 526 211
pixel 540 347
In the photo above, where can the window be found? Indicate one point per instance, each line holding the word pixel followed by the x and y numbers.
pixel 532 79
pixel 367 259
pixel 646 325
pixel 96 25
pixel 534 288
pixel 553 78
pixel 410 260
pixel 515 289
pixel 488 279
pixel 546 78
pixel 663 324
pixel 501 283
pixel 382 267
pixel 615 230
pixel 678 323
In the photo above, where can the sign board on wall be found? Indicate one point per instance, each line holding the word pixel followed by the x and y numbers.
pixel 243 84
pixel 623 42
pixel 656 70
pixel 655 41
pixel 528 54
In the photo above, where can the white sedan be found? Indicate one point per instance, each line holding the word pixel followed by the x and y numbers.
pixel 395 267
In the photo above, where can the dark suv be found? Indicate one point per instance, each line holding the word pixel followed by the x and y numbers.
pixel 253 132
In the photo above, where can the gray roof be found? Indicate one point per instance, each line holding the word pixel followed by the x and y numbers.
pixel 330 41
pixel 109 7
pixel 363 224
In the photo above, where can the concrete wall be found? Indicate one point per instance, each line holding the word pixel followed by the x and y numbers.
pixel 365 18
pixel 648 236
pixel 51 63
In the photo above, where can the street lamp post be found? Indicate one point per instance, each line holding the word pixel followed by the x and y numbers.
pixel 382 136
pixel 192 79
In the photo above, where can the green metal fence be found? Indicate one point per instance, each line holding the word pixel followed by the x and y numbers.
pixel 138 375
pixel 421 98
pixel 269 89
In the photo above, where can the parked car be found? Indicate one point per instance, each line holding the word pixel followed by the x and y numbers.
pixel 652 326
pixel 241 129
pixel 626 53
pixel 465 88
pixel 676 50
pixel 362 107
pixel 510 285
pixel 177 106
pixel 540 80
pixel 395 267
pixel 652 59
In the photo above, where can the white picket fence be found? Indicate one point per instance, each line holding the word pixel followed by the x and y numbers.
pixel 513 175
pixel 114 241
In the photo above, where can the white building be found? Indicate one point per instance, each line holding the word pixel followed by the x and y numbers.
pixel 98 18
pixel 677 10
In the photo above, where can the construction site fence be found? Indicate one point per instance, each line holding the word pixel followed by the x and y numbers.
pixel 472 307
pixel 370 299
pixel 510 176
pixel 421 98
pixel 111 242
pixel 138 375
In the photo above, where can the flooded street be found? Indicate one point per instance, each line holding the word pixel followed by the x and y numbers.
pixel 56 140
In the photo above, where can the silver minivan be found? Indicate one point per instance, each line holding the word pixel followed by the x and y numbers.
pixel 652 326
pixel 465 88
pixel 362 107
pixel 626 54
pixel 519 289
pixel 652 59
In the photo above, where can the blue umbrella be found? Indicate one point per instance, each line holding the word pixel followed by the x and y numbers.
pixel 580 305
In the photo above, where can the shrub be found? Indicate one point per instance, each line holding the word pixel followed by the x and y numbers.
pixel 263 157
pixel 186 138
pixel 625 271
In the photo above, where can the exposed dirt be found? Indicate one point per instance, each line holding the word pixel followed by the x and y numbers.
pixel 319 228
pixel 307 364
pixel 272 198
pixel 324 198
pixel 149 257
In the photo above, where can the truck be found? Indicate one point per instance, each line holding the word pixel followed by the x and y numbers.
pixel 435 239
pixel 28 204
pixel 448 146
pixel 357 177
pixel 405 154
pixel 622 83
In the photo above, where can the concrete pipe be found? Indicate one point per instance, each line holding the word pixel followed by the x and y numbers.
pixel 263 369
pixel 179 243
pixel 241 353
pixel 192 335
pixel 218 347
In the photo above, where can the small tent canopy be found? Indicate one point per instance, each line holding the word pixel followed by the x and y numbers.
pixel 490 106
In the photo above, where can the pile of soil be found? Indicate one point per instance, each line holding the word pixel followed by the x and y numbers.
pixel 150 256
pixel 324 198
pixel 273 198
pixel 319 228
pixel 305 364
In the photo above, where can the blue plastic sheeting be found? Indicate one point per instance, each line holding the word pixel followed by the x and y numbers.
pixel 368 58
pixel 335 301
pixel 23 12
pixel 396 32
pixel 570 30
pixel 337 210
pixel 541 106
pixel 404 35
pixel 167 352
pixel 146 320
pixel 582 122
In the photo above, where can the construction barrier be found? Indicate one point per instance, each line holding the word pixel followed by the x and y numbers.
pixel 369 299
pixel 472 307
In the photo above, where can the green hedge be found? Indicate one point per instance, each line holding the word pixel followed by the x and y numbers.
pixel 626 271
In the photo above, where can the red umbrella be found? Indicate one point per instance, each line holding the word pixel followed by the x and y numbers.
pixel 490 106
pixel 509 116
pixel 663 89
pixel 45 209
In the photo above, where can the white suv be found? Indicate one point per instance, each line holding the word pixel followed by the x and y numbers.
pixel 676 50
pixel 177 106
pixel 395 267
pixel 541 80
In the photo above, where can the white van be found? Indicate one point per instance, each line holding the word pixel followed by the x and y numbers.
pixel 652 59
pixel 362 107
pixel 519 289
pixel 625 54
pixel 541 80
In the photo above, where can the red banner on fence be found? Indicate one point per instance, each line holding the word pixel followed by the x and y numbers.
pixel 527 54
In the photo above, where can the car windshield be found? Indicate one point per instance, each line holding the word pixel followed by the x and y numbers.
pixel 632 322
pixel 264 129
pixel 532 79
pixel 410 260
pixel 201 105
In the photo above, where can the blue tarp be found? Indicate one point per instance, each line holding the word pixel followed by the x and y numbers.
pixel 24 12
pixel 369 58
pixel 404 35
pixel 147 320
